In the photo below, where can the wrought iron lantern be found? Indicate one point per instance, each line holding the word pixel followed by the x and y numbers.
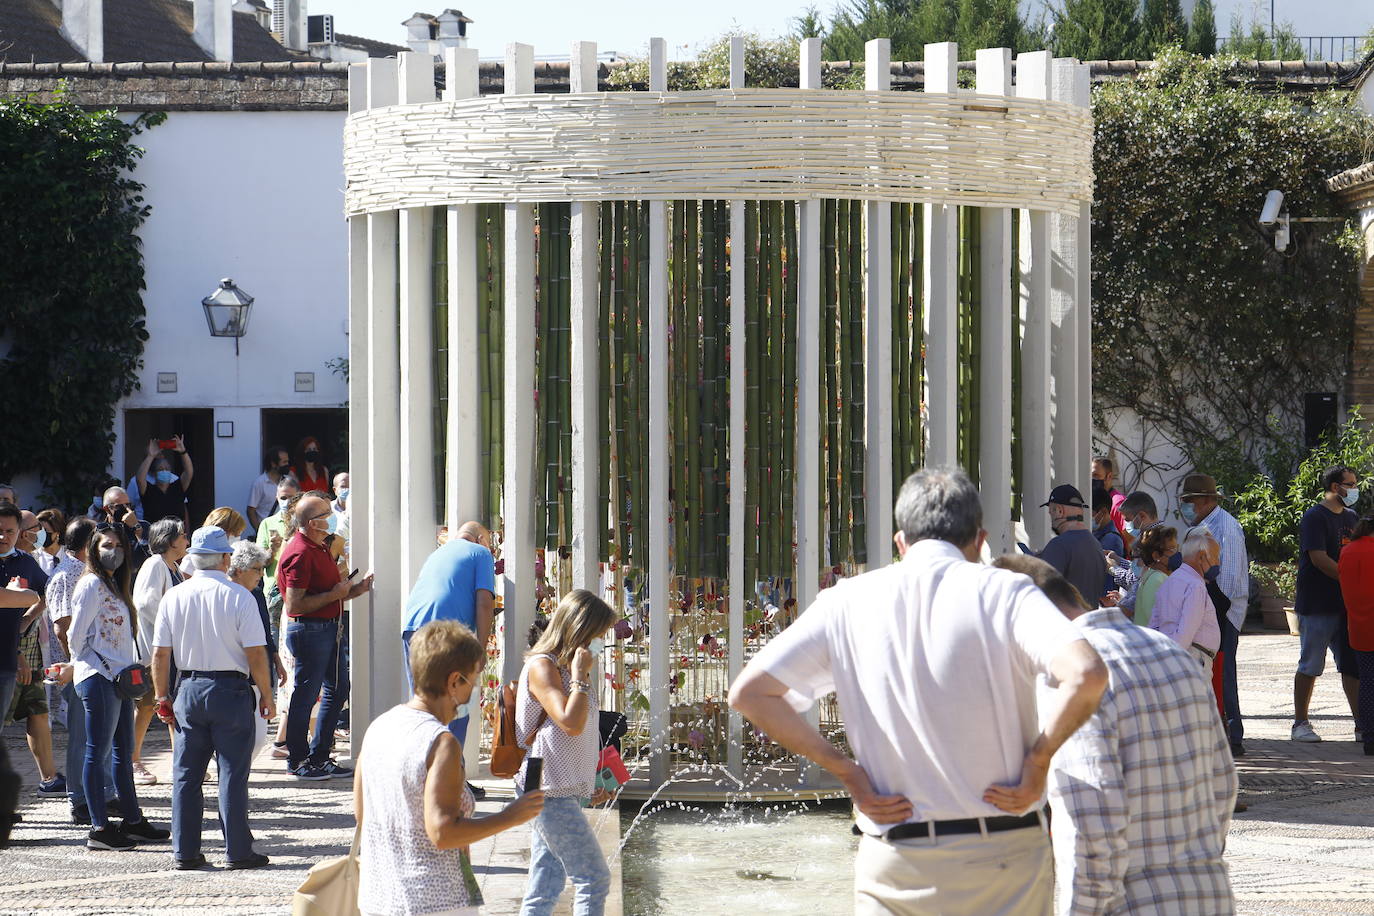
pixel 227 311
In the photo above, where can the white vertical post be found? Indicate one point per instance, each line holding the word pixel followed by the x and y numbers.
pixel 1033 82
pixel 517 545
pixel 1067 450
pixel 383 483
pixel 994 403
pixel 1082 97
pixel 940 282
pixel 463 477
pixel 589 516
pixel 738 348
pixel 808 479
pixel 359 435
pixel 878 329
pixel 417 353
pixel 659 456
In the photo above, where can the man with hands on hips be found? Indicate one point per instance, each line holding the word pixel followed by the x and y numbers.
pixel 934 661
pixel 212 628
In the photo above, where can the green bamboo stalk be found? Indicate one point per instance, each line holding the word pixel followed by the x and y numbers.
pixel 677 379
pixel 770 388
pixel 565 359
pixel 691 501
pixel 916 363
pixel 622 428
pixel 643 368
pixel 635 431
pixel 855 448
pixel 753 401
pixel 975 326
pixel 838 409
pixel 542 315
pixel 834 270
pixel 488 392
pixel 708 397
pixel 603 380
pixel 1017 453
pixel 903 402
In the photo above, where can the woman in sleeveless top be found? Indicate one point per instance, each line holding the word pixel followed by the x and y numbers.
pixel 556 719
pixel 414 811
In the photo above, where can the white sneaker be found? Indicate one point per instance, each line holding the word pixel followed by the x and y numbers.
pixel 1302 731
pixel 142 777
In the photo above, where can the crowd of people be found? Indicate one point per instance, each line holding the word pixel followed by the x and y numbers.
pixel 1100 673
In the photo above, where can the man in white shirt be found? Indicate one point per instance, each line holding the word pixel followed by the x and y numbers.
pixel 212 628
pixel 934 661
pixel 1142 793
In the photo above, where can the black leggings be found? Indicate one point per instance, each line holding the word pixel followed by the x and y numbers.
pixel 1365 660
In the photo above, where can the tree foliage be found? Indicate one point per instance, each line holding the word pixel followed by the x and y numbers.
pixel 1202 30
pixel 1161 25
pixel 71 282
pixel 1097 29
pixel 912 24
pixel 1202 330
pixel 1253 42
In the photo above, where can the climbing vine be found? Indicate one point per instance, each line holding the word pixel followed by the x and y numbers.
pixel 1205 336
pixel 71 279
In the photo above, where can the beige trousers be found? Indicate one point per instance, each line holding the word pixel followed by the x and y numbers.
pixel 1010 873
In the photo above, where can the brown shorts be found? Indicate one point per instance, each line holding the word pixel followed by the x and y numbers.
pixel 29 700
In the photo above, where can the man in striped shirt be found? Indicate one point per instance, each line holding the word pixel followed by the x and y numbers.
pixel 1142 794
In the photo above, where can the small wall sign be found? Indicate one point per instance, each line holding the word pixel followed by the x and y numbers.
pixel 166 383
pixel 305 382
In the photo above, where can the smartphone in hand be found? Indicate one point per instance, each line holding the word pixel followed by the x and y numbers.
pixel 534 773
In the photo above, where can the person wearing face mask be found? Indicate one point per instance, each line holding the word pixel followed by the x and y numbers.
pixel 1073 551
pixel 457 582
pixel 414 814
pixel 1326 528
pixel 340 505
pixel 1201 505
pixel 165 496
pixel 102 642
pixel 309 467
pixel 262 496
pixel 168 542
pixel 1183 611
pixel 1104 476
pixel 1140 514
pixel 313 593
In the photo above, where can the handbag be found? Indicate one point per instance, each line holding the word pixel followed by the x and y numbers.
pixel 507 753
pixel 330 887
pixel 133 683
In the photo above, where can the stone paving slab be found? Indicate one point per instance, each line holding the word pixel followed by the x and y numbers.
pixel 1305 846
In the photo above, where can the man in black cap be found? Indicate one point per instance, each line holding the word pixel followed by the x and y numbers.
pixel 1073 551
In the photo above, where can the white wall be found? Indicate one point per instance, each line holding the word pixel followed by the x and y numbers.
pixel 256 196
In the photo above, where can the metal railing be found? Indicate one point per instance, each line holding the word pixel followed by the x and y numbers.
pixel 1321 47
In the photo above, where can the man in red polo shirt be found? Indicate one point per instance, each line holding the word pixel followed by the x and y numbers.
pixel 313 593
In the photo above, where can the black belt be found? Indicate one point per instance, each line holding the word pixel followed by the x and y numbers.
pixel 922 829
pixel 1205 651
pixel 229 674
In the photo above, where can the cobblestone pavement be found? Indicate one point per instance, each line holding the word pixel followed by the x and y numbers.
pixel 1305 846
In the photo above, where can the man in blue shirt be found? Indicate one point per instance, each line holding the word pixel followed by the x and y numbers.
pixel 457 582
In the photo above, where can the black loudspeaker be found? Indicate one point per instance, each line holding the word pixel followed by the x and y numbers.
pixel 1318 417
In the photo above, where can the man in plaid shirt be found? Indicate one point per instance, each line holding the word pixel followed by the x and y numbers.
pixel 1142 794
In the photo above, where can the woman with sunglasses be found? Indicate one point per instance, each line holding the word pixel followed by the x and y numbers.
pixel 102 645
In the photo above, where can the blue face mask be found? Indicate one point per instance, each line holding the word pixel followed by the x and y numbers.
pixel 1212 572
pixel 40 538
pixel 1132 530
pixel 164 476
pixel 333 523
pixel 343 495
pixel 1189 513
pixel 1175 561
pixel 11 552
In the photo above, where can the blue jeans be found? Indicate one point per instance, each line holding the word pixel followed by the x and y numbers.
pixel 109 728
pixel 319 672
pixel 562 847
pixel 214 717
pixel 459 726
pixel 76 752
pixel 1230 691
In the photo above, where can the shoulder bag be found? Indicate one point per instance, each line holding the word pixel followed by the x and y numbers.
pixel 507 753
pixel 330 887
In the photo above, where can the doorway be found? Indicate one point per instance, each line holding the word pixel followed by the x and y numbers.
pixel 196 426
pixel 288 426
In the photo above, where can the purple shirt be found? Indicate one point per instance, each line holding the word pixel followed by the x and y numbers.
pixel 1184 613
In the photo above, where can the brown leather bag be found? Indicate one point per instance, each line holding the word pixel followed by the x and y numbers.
pixel 507 753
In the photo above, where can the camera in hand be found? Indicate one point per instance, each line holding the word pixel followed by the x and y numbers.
pixel 534 773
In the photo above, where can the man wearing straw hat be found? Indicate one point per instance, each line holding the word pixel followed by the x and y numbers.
pixel 935 661
pixel 1201 505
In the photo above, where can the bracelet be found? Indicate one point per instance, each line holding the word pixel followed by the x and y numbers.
pixel 583 686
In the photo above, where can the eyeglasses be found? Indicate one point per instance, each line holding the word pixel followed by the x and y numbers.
pixel 321 515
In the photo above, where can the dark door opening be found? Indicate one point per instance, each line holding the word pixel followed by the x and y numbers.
pixel 288 426
pixel 197 429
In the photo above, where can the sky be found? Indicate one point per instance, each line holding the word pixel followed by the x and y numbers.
pixel 625 26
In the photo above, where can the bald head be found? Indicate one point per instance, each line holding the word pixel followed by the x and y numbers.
pixel 28 531
pixel 475 532
pixel 312 515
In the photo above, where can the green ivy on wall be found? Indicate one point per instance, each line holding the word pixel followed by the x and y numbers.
pixel 1200 328
pixel 71 278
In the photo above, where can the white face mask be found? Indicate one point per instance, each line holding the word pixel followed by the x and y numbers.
pixel 597 647
pixel 1352 495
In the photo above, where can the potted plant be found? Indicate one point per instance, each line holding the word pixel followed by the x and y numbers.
pixel 1278 582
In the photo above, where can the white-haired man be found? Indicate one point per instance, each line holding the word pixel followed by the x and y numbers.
pixel 1183 610
pixel 934 661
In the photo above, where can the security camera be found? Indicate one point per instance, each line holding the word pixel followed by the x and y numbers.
pixel 1273 206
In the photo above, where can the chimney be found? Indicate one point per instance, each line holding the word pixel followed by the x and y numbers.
pixel 420 37
pixel 83 24
pixel 453 30
pixel 259 10
pixel 214 28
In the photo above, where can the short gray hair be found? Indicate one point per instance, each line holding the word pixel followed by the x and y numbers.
pixel 163 533
pixel 246 556
pixel 1196 541
pixel 207 560
pixel 939 504
pixel 288 481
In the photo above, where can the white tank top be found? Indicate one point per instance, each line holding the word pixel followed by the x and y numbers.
pixel 569 761
pixel 403 874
